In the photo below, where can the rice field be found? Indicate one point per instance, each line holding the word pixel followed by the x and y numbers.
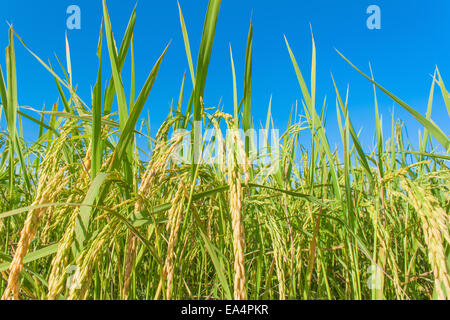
pixel 88 212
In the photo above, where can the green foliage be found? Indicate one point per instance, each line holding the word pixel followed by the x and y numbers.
pixel 349 223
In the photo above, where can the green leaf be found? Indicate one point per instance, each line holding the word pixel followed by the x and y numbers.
pixel 97 115
pixel 204 56
pixel 316 123
pixel 123 51
pixel 359 150
pixel 430 126
pixel 445 93
pixel 82 223
pixel 236 110
pixel 247 114
pixel 187 46
pixel 128 129
pixel 118 85
pixel 33 256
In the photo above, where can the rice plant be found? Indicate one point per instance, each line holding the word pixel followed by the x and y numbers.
pixel 88 212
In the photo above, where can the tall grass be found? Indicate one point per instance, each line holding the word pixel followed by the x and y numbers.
pixel 84 216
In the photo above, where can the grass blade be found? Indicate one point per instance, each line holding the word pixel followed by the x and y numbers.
pixel 82 224
pixel 247 102
pixel 430 126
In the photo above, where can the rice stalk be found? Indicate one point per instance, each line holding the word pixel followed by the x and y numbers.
pixel 234 181
pixel 435 225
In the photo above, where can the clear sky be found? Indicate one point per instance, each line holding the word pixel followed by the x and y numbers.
pixel 413 39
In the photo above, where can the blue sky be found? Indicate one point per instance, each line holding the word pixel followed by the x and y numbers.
pixel 413 39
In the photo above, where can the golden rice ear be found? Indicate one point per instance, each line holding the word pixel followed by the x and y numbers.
pixel 50 188
pixel 234 183
pixel 129 261
pixel 175 216
pixel 435 225
pixel 57 278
